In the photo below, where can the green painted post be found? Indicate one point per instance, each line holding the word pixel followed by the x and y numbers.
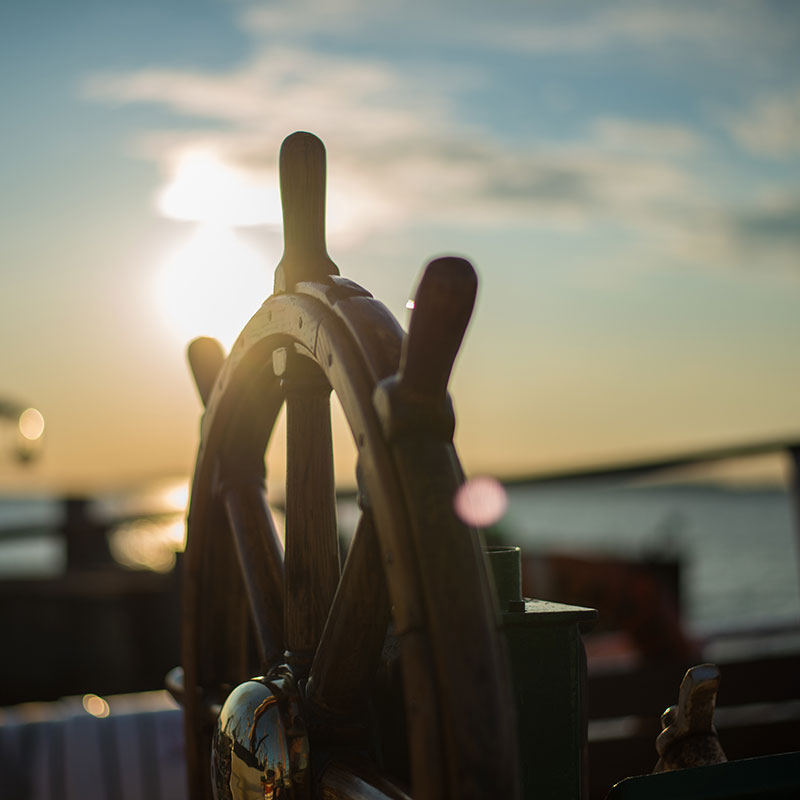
pixel 548 665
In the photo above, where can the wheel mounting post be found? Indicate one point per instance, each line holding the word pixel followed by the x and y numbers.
pixel 312 567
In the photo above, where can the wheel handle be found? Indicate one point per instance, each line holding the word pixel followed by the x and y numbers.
pixel 302 179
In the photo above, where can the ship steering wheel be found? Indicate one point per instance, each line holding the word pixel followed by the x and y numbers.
pixel 313 638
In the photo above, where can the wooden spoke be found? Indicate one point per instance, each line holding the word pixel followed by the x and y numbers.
pixel 224 641
pixel 261 562
pixel 349 651
pixel 477 765
pixel 348 781
pixel 215 644
pixel 312 546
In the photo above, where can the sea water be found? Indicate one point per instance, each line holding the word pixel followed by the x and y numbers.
pixel 738 546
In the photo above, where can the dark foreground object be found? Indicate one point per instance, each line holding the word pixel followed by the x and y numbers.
pixel 767 778
pixel 106 631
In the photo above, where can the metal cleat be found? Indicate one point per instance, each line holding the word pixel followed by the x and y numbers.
pixel 688 738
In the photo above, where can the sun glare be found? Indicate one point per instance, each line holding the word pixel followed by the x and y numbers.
pixel 212 284
pixel 205 189
pixel 176 496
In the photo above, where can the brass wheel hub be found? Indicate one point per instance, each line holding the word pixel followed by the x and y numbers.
pixel 260 746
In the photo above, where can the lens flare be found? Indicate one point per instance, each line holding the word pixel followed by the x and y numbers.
pixel 481 501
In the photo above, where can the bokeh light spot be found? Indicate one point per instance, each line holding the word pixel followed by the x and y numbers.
pixel 96 706
pixel 31 424
pixel 481 501
pixel 148 543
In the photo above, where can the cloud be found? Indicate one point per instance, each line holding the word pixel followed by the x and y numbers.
pixel 303 17
pixel 771 226
pixel 581 28
pixel 384 126
pixel 402 155
pixel 774 218
pixel 361 98
pixel 569 26
pixel 761 235
pixel 770 125
pixel 605 27
pixel 635 136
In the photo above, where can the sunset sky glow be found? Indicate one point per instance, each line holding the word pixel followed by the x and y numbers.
pixel 625 176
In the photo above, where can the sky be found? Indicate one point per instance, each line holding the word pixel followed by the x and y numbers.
pixel 623 175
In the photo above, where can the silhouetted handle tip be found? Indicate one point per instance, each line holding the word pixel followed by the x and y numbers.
pixel 443 305
pixel 302 180
pixel 415 401
pixel 206 357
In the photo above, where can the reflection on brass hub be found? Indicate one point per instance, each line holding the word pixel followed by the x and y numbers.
pixel 260 747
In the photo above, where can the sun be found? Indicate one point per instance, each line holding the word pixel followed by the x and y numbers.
pixel 205 188
pixel 215 280
pixel 212 284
